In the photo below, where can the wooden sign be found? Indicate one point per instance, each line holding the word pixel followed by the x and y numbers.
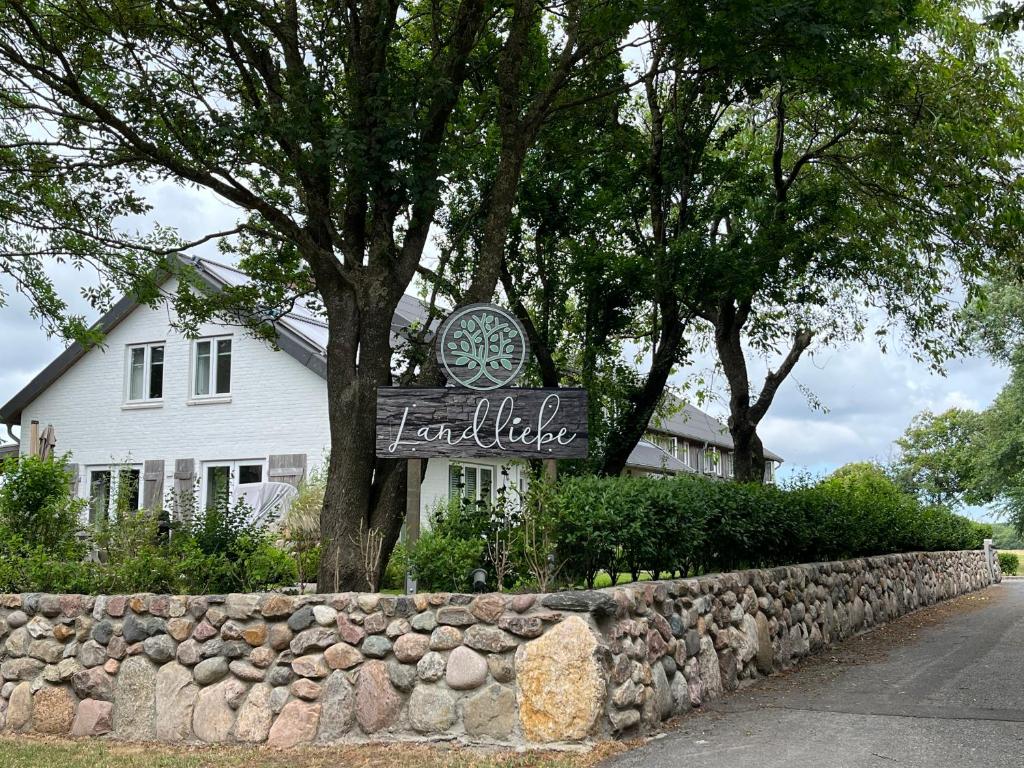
pixel 465 423
pixel 482 347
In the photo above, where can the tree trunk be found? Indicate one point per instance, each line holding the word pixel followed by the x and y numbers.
pixel 745 416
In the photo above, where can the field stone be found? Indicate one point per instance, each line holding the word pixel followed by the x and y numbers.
pixel 424 622
pixel 483 637
pixel 103 631
pixel 765 651
pixel 411 647
pixel 255 635
pixel 502 667
pixel 262 657
pixel 212 716
pixel 342 656
pixel 710 671
pixel 325 615
pixel 339 703
pixel 279 636
pixel 491 713
pixel 94 683
pixel 19 708
pixel 241 606
pixel 278 698
pixel 455 616
pixel 17 619
pixel 39 627
pixel 350 632
pixel 53 711
pixel 189 653
pixel 305 689
pixel 561 683
pixel 211 670
pixel 403 676
pixel 255 715
pixel 313 639
pixel 431 667
pixel 175 700
pixel 275 606
pixel 93 718
pixel 244 670
pixel 297 724
pixel 377 703
pixel 445 639
pixel 160 648
pixel 301 619
pixel 466 670
pixel 376 646
pixel 431 709
pixel 92 654
pixel 21 669
pixel 135 700
pixel 17 643
pixel 313 665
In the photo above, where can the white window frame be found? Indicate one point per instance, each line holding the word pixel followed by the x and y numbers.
pixel 147 372
pixel 712 461
pixel 115 471
pixel 213 395
pixel 463 466
pixel 730 463
pixel 234 470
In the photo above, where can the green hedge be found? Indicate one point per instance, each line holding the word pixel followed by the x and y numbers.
pixel 692 524
pixel 1009 563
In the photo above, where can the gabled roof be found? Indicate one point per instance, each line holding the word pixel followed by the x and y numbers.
pixel 302 333
pixel 691 423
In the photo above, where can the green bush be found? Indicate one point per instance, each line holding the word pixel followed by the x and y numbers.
pixel 691 524
pixel 1009 563
pixel 450 549
pixel 36 502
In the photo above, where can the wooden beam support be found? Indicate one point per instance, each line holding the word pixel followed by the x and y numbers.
pixel 414 477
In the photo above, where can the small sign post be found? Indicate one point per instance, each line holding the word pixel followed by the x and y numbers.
pixel 482 350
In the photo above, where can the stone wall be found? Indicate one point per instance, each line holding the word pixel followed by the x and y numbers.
pixel 270 668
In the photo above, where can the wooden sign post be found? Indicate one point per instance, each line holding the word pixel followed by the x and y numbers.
pixel 482 349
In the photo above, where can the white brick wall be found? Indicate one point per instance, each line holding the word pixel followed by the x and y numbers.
pixel 276 406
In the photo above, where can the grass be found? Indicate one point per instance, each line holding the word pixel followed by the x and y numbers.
pixel 37 752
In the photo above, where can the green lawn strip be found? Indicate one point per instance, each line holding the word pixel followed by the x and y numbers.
pixel 33 752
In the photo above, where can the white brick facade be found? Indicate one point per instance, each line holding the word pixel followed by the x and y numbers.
pixel 276 406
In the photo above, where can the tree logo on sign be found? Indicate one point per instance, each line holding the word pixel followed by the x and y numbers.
pixel 482 347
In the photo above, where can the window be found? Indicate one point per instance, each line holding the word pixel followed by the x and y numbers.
pixel 145 373
pixel 211 365
pixel 769 471
pixel 471 482
pixel 222 478
pixel 730 471
pixel 113 488
pixel 712 465
pixel 667 443
pixel 694 461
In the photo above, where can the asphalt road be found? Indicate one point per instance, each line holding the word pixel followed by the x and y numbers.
pixel 941 687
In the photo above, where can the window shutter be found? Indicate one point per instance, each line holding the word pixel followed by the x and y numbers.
pixel 184 485
pixel 287 468
pixel 73 475
pixel 153 484
pixel 470 492
pixel 454 481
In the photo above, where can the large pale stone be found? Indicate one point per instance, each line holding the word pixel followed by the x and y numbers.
pixel 710 672
pixel 431 709
pixel 743 639
pixel 94 718
pixel 19 708
pixel 213 717
pixel 255 715
pixel 411 647
pixel 295 725
pixel 561 683
pixel 135 700
pixel 338 713
pixel 377 702
pixel 53 711
pixel 490 713
pixel 175 700
pixel 342 656
pixel 466 670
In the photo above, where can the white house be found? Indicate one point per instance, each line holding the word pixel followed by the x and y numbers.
pixel 226 412
pixel 221 412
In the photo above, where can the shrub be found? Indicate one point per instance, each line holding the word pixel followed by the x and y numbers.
pixel 36 502
pixel 1009 563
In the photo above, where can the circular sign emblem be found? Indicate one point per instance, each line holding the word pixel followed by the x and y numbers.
pixel 482 346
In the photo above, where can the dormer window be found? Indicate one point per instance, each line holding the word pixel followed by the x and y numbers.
pixel 211 365
pixel 145 373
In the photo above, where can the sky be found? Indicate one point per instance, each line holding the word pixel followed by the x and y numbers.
pixel 868 397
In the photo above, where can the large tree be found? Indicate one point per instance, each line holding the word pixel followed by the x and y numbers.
pixel 331 127
pixel 807 169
